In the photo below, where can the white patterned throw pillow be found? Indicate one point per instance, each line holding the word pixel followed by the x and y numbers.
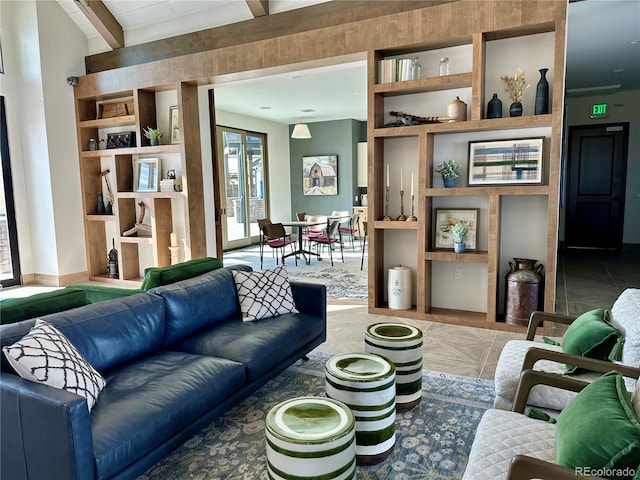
pixel 45 355
pixel 264 294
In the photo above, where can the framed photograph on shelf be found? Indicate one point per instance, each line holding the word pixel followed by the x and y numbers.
pixel 320 175
pixel 446 218
pixel 506 162
pixel 174 124
pixel 146 174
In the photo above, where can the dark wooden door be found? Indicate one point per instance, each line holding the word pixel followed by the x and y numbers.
pixel 596 177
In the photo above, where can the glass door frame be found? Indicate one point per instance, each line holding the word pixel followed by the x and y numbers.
pixel 250 235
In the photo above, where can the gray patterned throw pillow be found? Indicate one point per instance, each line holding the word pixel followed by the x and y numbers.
pixel 45 355
pixel 264 294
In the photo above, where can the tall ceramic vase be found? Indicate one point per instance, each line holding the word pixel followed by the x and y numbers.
pixel 542 93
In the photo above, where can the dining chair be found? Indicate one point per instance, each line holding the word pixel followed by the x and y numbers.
pixel 364 244
pixel 275 236
pixel 331 238
pixel 319 229
pixel 352 227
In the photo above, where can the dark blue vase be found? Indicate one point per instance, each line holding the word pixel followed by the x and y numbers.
pixel 515 110
pixel 542 94
pixel 494 108
pixel 449 182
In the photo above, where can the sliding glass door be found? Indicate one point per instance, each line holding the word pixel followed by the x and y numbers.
pixel 242 185
pixel 9 260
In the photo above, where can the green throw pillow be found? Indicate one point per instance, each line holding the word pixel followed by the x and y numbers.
pixel 592 335
pixel 599 429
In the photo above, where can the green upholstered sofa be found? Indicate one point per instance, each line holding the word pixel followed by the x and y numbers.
pixel 16 309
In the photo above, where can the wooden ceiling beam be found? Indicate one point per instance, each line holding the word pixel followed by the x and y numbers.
pixel 259 8
pixel 103 21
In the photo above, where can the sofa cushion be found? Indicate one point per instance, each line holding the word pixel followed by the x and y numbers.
pixel 260 346
pixel 199 302
pixel 107 333
pixel 264 294
pixel 592 335
pixel 599 428
pixel 158 276
pixel 152 399
pixel 45 355
pixel 17 309
pixel 624 315
pixel 500 436
pixel 100 293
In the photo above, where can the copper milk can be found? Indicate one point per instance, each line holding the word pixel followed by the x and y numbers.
pixel 524 290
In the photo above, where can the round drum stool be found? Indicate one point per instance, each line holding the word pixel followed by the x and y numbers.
pixel 310 437
pixel 366 384
pixel 402 344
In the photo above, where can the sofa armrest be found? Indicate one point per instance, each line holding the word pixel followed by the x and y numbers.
pixel 531 378
pixel 101 293
pixel 45 432
pixel 537 318
pixel 310 298
pixel 524 467
pixel 602 366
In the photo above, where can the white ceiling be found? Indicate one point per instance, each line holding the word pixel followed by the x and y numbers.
pixel 599 44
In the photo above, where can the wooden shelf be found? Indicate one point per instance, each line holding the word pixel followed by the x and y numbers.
pixel 109 122
pixel 433 84
pixel 100 218
pixel 149 194
pixel 484 191
pixel 450 256
pixel 395 225
pixel 132 151
pixel 509 123
pixel 138 240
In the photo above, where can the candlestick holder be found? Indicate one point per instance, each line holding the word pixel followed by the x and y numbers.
pixel 386 217
pixel 402 217
pixel 412 217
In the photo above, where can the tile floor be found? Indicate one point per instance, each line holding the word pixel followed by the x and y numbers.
pixel 586 280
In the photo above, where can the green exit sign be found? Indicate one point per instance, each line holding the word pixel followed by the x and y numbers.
pixel 598 110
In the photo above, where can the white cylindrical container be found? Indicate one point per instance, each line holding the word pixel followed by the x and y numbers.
pixel 310 437
pixel 402 344
pixel 399 288
pixel 366 383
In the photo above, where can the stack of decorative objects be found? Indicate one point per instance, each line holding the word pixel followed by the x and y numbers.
pixel 171 183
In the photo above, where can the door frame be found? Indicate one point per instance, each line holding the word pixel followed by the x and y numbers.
pixel 623 180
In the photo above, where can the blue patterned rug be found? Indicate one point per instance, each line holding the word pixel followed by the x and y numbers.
pixel 432 441
pixel 343 280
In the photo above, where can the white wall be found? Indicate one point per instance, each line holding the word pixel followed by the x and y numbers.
pixel 42 47
pixel 623 107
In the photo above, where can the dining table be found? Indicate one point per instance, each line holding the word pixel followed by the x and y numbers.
pixel 301 225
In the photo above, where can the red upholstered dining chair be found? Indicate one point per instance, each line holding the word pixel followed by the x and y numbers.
pixel 332 237
pixel 351 228
pixel 316 230
pixel 275 236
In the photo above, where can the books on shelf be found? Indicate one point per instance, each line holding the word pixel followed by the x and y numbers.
pixel 394 70
pixel 170 185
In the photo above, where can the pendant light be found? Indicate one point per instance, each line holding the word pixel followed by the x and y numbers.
pixel 301 130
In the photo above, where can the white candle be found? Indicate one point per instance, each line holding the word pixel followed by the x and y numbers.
pixel 401 185
pixel 387 175
pixel 412 184
pixel 174 239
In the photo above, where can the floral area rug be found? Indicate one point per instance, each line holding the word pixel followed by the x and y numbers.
pixel 432 441
pixel 343 280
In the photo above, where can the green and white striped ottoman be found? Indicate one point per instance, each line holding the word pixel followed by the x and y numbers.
pixel 366 384
pixel 402 344
pixel 310 437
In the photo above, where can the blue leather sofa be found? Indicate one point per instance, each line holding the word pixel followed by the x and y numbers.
pixel 174 358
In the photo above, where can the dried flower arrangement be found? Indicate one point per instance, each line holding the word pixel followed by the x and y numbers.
pixel 515 85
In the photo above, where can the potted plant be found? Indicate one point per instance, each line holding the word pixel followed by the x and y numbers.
pixel 153 134
pixel 515 87
pixel 459 232
pixel 450 170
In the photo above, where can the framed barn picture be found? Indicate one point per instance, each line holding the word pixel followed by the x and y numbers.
pixel 320 175
pixel 506 162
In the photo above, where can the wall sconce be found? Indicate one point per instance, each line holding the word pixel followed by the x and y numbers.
pixel 301 130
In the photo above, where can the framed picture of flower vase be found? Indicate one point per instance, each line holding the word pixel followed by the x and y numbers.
pixel 446 218
pixel 506 162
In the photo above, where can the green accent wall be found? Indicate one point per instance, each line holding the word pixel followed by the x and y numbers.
pixel 339 137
